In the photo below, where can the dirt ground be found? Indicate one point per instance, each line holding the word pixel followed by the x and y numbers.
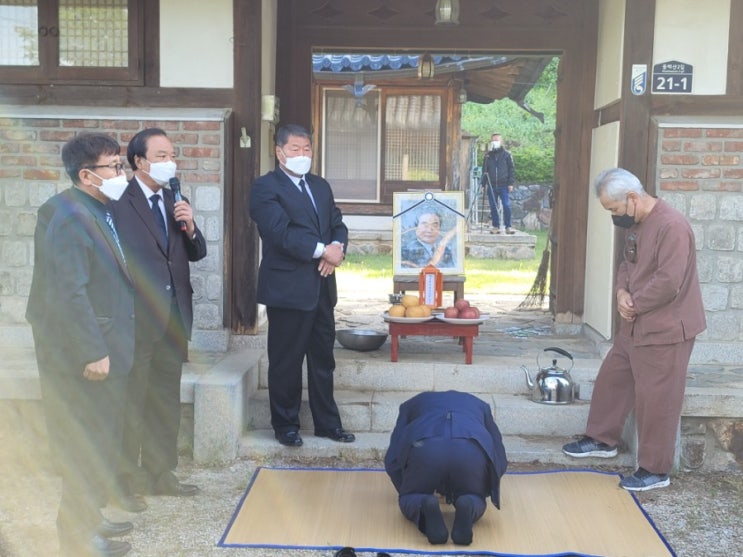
pixel 699 515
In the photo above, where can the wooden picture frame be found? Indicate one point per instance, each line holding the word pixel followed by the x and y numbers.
pixel 428 227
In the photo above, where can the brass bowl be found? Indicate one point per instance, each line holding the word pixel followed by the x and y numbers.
pixel 362 340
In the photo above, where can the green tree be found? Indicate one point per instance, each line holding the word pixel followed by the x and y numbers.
pixel 531 141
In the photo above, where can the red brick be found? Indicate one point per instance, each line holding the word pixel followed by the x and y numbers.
pixel 87 124
pixel 119 124
pixel 679 159
pixel 188 164
pixel 18 135
pixel 50 161
pixel 700 173
pixel 196 126
pixel 56 135
pixel 18 161
pixel 10 172
pixel 734 146
pixel 200 177
pixel 682 132
pixel 703 146
pixel 725 132
pixel 200 152
pixel 167 125
pixel 39 147
pixel 733 173
pixel 211 139
pixel 39 123
pixel 184 138
pixel 673 146
pixel 730 186
pixel 679 185
pixel 722 160
pixel 38 174
pixel 666 173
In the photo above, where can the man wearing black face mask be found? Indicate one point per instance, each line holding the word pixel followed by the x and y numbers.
pixel 660 303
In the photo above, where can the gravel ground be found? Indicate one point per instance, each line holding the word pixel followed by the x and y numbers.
pixel 700 515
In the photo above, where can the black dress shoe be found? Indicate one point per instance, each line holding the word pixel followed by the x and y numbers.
pixel 289 438
pixel 110 529
pixel 345 552
pixel 338 434
pixel 97 546
pixel 130 502
pixel 168 484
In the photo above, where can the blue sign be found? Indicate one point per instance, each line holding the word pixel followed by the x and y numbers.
pixel 672 77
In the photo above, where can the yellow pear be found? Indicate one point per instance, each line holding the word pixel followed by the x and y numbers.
pixel 397 311
pixel 408 300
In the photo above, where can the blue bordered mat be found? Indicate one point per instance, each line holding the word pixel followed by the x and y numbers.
pixel 543 514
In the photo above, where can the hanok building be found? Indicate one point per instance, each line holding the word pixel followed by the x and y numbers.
pixel 654 86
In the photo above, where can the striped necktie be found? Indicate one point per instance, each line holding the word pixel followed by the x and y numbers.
pixel 112 226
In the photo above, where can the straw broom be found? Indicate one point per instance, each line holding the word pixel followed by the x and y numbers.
pixel 535 298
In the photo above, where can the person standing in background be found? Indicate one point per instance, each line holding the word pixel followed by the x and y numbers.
pixel 660 304
pixel 160 238
pixel 303 241
pixel 498 176
pixel 81 311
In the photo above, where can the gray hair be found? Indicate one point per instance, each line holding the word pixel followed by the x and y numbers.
pixel 616 183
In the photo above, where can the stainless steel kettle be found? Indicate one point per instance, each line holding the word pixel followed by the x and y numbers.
pixel 553 385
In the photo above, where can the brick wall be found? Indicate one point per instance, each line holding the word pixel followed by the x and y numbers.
pixel 700 172
pixel 31 140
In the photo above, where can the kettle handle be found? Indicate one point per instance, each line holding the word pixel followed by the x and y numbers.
pixel 559 351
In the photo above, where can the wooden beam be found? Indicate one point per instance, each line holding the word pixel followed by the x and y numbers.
pixel 241 235
pixel 735 49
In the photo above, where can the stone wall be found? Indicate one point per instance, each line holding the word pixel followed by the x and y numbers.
pixel 31 171
pixel 700 172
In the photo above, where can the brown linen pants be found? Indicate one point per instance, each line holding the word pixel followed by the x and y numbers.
pixel 652 379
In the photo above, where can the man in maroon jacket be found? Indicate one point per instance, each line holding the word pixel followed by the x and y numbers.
pixel 660 304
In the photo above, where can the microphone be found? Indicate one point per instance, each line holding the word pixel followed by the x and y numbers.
pixel 175 185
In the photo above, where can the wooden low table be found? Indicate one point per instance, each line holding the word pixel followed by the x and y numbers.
pixel 466 334
pixel 452 283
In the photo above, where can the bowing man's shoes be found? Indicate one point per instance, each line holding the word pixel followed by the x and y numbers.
pixel 97 546
pixel 338 434
pixel 289 438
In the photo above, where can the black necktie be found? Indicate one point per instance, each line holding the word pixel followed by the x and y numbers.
pixel 307 195
pixel 112 226
pixel 159 220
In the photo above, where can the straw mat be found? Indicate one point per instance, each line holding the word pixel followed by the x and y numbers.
pixel 575 512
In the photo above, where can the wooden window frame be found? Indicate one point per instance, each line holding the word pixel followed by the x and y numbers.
pixel 49 70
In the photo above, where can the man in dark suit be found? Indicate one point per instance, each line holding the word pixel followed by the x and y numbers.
pixel 81 310
pixel 445 442
pixel 160 238
pixel 304 240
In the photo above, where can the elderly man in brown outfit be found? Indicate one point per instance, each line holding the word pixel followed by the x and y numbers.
pixel 660 304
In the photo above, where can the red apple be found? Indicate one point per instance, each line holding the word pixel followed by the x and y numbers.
pixel 468 313
pixel 476 310
pixel 451 313
pixel 461 304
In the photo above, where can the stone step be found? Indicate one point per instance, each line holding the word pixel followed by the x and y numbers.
pixel 260 444
pixel 490 374
pixel 376 412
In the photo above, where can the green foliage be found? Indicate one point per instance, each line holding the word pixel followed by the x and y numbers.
pixel 531 142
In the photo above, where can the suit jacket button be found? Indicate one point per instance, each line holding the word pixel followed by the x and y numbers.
pixel 167 287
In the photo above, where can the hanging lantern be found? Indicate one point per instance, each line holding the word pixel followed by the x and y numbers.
pixel 447 12
pixel 425 66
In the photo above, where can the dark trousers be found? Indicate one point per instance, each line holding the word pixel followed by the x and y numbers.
pixel 292 335
pixel 453 467
pixel 153 413
pixel 84 421
pixel 505 199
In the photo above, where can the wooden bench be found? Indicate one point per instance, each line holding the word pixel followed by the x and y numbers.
pixel 465 333
pixel 452 283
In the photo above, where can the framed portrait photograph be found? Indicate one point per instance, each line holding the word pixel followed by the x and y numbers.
pixel 428 227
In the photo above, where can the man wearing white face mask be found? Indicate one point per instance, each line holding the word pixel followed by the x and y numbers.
pixel 160 238
pixel 304 240
pixel 81 310
pixel 497 178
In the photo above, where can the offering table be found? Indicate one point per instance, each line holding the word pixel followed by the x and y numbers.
pixel 465 332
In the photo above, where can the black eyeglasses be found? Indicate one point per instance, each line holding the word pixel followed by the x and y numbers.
pixel 117 166
pixel 630 247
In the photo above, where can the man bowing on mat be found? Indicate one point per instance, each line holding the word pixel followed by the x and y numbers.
pixel 445 442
